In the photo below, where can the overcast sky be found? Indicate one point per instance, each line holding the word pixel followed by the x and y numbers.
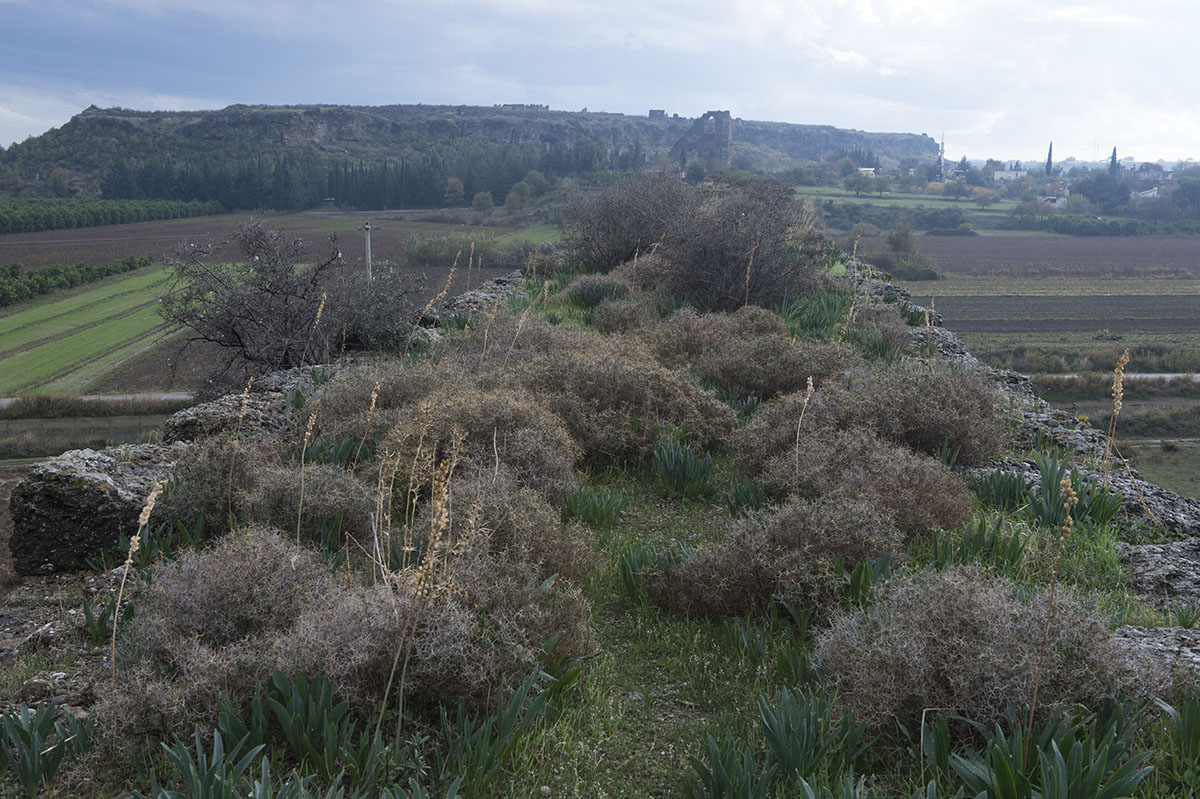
pixel 1000 78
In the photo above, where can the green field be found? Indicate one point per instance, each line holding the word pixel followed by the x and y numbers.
pixel 71 341
pixel 64 344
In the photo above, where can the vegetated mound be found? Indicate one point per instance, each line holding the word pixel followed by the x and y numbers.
pixel 404 534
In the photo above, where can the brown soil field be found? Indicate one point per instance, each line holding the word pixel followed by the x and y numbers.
pixel 1115 313
pixel 1066 256
pixel 100 245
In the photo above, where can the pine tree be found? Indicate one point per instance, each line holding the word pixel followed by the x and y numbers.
pixel 1050 161
pixel 1113 166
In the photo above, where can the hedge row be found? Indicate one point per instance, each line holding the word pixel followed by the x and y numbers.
pixel 29 215
pixel 17 286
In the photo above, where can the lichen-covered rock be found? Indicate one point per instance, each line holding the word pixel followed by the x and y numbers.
pixel 1174 650
pixel 1163 574
pixel 74 507
pixel 265 410
pixel 482 299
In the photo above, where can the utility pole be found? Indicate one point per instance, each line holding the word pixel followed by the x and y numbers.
pixel 366 227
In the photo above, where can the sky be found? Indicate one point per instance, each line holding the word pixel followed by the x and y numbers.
pixel 997 78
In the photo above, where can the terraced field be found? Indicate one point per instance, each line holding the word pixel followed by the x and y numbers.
pixel 63 345
pixel 1061 303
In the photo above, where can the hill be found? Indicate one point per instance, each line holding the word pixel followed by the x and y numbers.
pixel 80 157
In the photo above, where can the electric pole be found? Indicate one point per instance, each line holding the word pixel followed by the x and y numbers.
pixel 366 227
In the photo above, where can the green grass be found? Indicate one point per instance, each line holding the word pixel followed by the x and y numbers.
pixel 1177 469
pixel 65 345
pixel 84 306
pixel 535 233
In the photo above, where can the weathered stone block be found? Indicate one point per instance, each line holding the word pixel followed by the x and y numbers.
pixel 75 506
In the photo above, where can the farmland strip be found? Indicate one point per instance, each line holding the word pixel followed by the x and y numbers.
pixel 36 365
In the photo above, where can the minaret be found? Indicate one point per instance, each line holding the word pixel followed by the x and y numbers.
pixel 942 158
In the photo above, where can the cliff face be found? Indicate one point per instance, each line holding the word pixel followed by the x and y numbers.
pixel 94 138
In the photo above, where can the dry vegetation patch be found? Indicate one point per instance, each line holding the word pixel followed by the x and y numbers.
pixel 918 490
pixel 930 409
pixel 787 555
pixel 481 429
pixel 617 401
pixel 749 351
pixel 961 642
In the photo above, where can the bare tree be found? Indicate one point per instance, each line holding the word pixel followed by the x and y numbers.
pixel 268 306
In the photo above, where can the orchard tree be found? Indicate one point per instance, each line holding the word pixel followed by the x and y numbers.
pixel 956 189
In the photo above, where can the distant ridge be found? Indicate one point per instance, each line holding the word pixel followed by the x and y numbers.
pixel 92 141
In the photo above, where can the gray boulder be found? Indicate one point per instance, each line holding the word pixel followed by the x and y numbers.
pixel 1174 651
pixel 1163 574
pixel 75 506
pixel 265 410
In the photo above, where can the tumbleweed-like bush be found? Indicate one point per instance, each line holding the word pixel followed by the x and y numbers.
pixel 919 491
pixel 617 401
pixel 480 429
pixel 961 642
pixel 749 351
pixel 925 408
pixel 787 555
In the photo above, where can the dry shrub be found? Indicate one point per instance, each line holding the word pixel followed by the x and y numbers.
pixel 222 621
pixel 959 642
pixel 918 490
pixel 354 635
pixel 275 500
pixel 520 524
pixel 504 341
pixel 749 351
pixel 206 627
pixel 622 316
pixel 346 401
pixel 788 555
pixel 610 226
pixel 542 265
pixel 481 626
pixel 481 428
pixel 210 481
pixel 881 328
pixel 925 408
pixel 617 401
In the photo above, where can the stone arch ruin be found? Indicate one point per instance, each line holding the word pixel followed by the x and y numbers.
pixel 710 139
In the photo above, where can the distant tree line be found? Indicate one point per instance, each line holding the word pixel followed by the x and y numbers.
pixel 29 215
pixel 284 182
pixel 17 285
pixel 296 181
